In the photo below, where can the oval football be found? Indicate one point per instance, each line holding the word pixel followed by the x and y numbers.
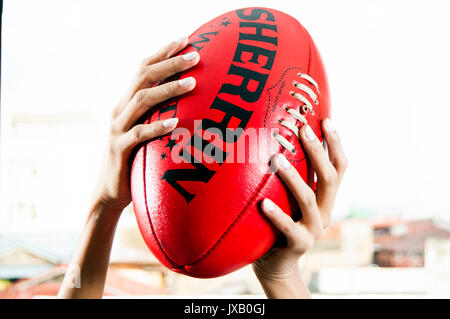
pixel 197 192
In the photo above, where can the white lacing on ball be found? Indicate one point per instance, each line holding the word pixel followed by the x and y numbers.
pixel 291 126
pixel 303 99
pixel 284 142
pixel 296 114
pixel 310 92
pixel 310 80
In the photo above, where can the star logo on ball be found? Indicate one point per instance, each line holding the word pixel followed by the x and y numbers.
pixel 170 143
pixel 163 156
pixel 225 23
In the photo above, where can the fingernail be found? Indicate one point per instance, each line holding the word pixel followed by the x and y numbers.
pixel 170 122
pixel 181 39
pixel 190 56
pixel 329 125
pixel 186 81
pixel 282 160
pixel 268 205
pixel 310 136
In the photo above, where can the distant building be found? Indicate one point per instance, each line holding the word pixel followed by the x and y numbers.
pixel 400 243
pixel 35 264
pixel 26 255
pixel 118 283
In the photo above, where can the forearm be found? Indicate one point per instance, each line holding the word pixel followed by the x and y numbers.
pixel 291 287
pixel 86 275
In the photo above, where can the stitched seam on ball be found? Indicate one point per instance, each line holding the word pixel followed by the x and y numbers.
pixel 144 164
pixel 264 181
pixel 309 49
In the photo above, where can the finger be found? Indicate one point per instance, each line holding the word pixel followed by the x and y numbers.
pixel 327 176
pixel 166 52
pixel 144 132
pixel 297 235
pixel 335 150
pixel 301 191
pixel 164 69
pixel 326 173
pixel 147 98
pixel 137 84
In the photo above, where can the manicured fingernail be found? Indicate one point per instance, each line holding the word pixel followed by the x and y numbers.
pixel 268 205
pixel 170 122
pixel 190 56
pixel 329 126
pixel 181 39
pixel 310 136
pixel 284 163
pixel 186 81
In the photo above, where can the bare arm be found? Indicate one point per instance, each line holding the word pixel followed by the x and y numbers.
pixel 86 275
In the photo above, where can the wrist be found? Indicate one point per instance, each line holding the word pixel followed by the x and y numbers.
pixel 282 285
pixel 102 209
pixel 285 275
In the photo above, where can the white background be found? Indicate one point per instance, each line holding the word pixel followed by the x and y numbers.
pixel 387 62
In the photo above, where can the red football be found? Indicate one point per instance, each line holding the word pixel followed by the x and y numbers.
pixel 197 192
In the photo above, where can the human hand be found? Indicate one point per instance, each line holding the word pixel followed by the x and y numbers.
pixel 89 264
pixel 281 263
pixel 113 188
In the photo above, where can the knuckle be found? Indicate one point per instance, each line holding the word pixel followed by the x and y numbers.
pixel 289 174
pixel 114 127
pixel 317 232
pixel 145 62
pixel 326 222
pixel 168 51
pixel 309 199
pixel 330 177
pixel 304 248
pixel 344 163
pixel 136 134
pixel 169 89
pixel 113 114
pixel 116 148
pixel 304 244
pixel 334 138
pixel 147 74
pixel 289 230
pixel 309 243
pixel 142 69
pixel 299 249
pixel 174 64
pixel 151 131
pixel 315 148
pixel 139 97
pixel 112 147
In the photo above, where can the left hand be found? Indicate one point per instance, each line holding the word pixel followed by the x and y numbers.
pixel 87 271
pixel 281 263
pixel 113 188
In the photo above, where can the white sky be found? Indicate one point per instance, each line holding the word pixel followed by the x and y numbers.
pixel 387 61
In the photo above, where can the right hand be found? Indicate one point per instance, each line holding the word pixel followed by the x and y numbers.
pixel 281 263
